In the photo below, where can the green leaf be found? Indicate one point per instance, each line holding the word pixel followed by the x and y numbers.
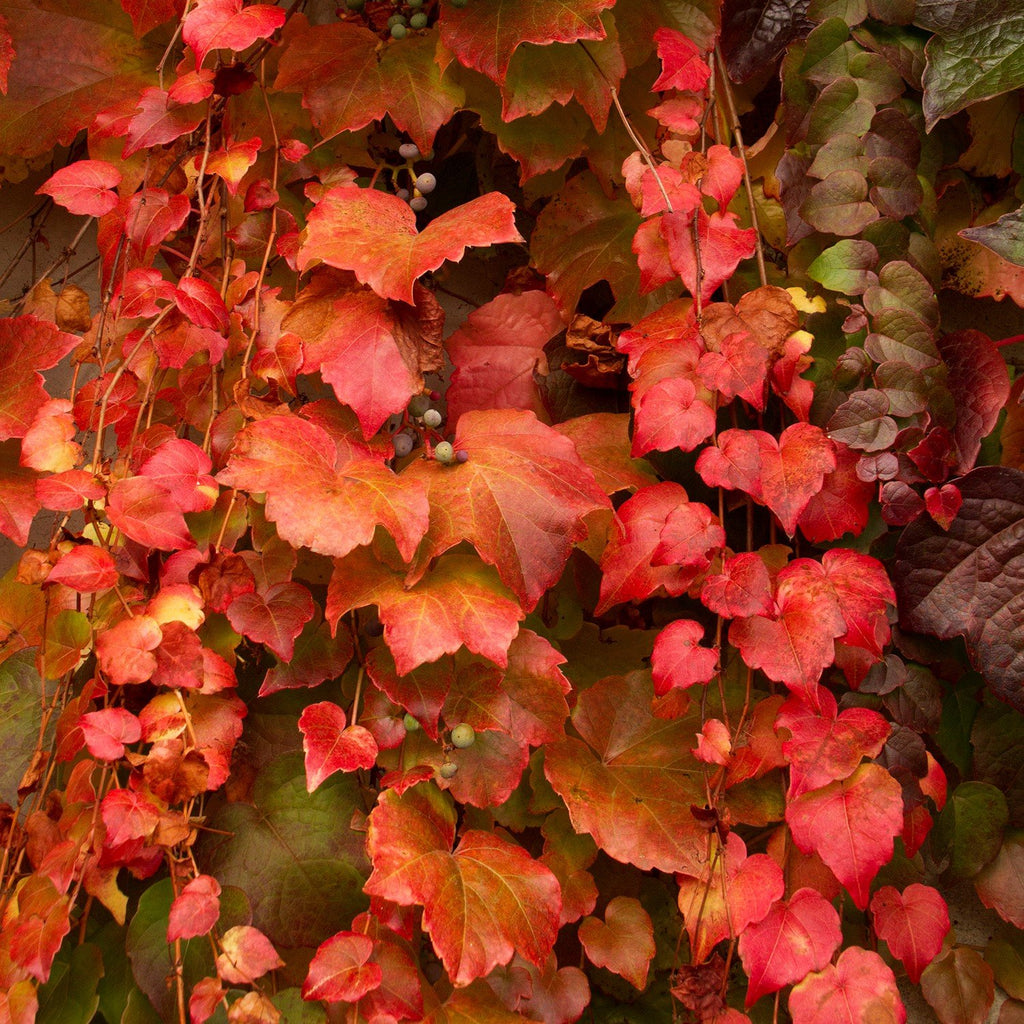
pixel 1005 237
pixel 970 827
pixel 977 52
pixel 69 997
pixel 19 719
pixel 846 267
pixel 293 854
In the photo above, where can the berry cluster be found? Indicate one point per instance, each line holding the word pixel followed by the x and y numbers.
pixel 420 185
pixel 420 421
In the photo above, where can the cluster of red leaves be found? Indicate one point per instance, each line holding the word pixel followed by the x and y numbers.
pixel 236 519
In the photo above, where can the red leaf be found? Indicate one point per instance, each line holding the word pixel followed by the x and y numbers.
pixel 160 120
pixel 520 499
pixel 347 79
pixel 195 909
pixel 125 651
pixel 373 352
pixel 331 747
pixel 623 943
pixel 20 493
pixel 459 601
pixel 626 565
pixel 127 816
pixel 144 511
pixel 226 24
pixel 48 446
pixel 179 658
pixel 485 38
pixel 318 498
pixel 742 588
pixel 602 442
pixel 850 824
pixel 739 367
pixel 913 924
pixel 843 503
pixel 421 691
pixel 683 67
pixel 823 746
pixel 152 215
pixel 201 303
pixel 1000 884
pixel 63 492
pixel 795 938
pixel 339 971
pixel 232 163
pixel 725 899
pixel 107 731
pixel 84 187
pixel 374 235
pixel 860 987
pixel 183 469
pixel 678 660
pixel 35 935
pixel 631 780
pixel 27 347
pixel 274 618
pixel 497 351
pixel 482 903
pixel 943 503
pixel 85 568
pixel 723 245
pixel 247 955
pixel 317 657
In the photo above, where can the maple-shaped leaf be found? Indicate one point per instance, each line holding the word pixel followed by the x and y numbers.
pixel 626 565
pixel 84 187
pixel 459 601
pixel 233 160
pixel 859 987
pixel 246 954
pixel 913 924
pixel 850 824
pixel 372 351
pixel 728 897
pixel 54 92
pixel 274 618
pixel 227 24
pixel 483 901
pixel 374 235
pixel 144 511
pixel 539 76
pixel 723 245
pixel 690 537
pixel 797 936
pixel 85 568
pixel 497 351
pixel 678 660
pixel 738 367
pixel 602 442
pixel 107 732
pixel 331 747
pixel 124 652
pixel 340 971
pixel 127 816
pixel 623 942
pixel 347 79
pixel 683 67
pixel 630 780
pixel 27 346
pixel 40 922
pixel 825 746
pixel 201 303
pixel 520 498
pixel 195 909
pixel 159 121
pixel 486 37
pixel 316 498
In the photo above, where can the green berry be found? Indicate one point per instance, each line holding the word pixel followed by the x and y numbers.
pixel 449 770
pixel 418 405
pixel 398 31
pixel 396 19
pixel 463 736
pixel 418 20
pixel 444 453
pixel 432 418
pixel 410 722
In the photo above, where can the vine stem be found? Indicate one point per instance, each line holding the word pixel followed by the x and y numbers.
pixel 737 134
